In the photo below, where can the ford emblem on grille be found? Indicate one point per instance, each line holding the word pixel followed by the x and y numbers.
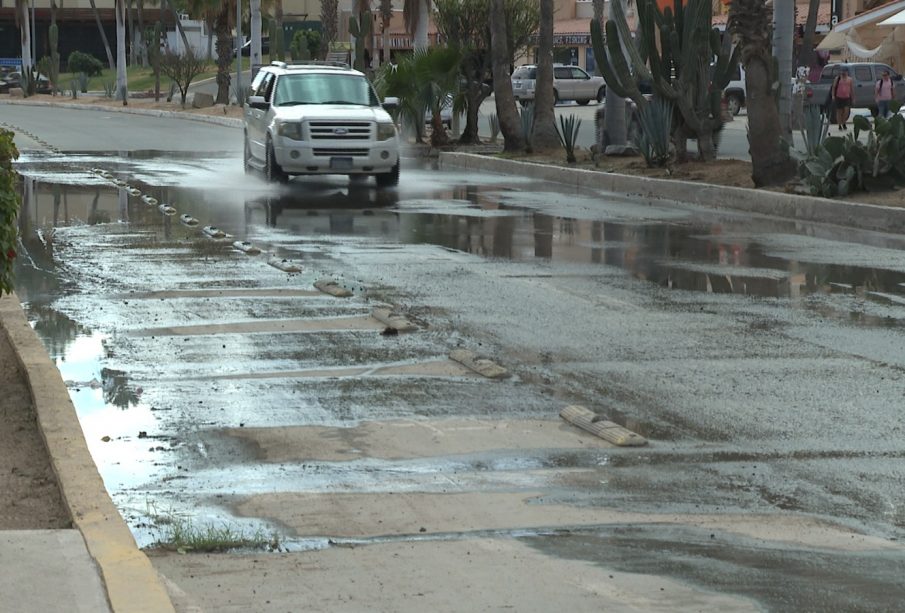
pixel 340 131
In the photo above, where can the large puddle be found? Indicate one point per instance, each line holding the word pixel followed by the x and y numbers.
pixel 69 206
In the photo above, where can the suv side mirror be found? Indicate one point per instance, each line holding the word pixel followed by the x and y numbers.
pixel 390 103
pixel 258 102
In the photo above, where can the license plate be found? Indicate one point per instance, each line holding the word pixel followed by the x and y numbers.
pixel 341 163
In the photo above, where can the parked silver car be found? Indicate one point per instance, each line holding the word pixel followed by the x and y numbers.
pixel 569 83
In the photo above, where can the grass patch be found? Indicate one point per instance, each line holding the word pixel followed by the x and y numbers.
pixel 184 535
pixel 142 79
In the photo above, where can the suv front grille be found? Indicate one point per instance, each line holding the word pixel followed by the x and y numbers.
pixel 347 152
pixel 339 130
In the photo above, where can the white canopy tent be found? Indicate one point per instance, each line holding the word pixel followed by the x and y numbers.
pixel 896 20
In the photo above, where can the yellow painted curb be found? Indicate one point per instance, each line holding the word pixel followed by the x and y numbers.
pixel 132 583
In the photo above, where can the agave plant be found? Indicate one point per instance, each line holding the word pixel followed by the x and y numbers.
pixel 653 140
pixel 568 135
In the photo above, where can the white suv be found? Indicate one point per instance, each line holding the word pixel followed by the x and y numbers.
pixel 569 83
pixel 318 118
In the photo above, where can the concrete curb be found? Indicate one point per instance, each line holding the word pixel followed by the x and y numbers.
pixel 229 122
pixel 132 583
pixel 777 204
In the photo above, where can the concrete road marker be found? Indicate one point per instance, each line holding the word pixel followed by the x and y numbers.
pixel 482 366
pixel 149 200
pixel 188 220
pixel 595 424
pixel 284 265
pixel 329 286
pixel 246 247
pixel 393 320
pixel 166 209
pixel 213 232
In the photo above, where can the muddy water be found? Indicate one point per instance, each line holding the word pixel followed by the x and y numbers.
pixel 155 326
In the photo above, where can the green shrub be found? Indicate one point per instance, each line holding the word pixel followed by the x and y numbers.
pixel 82 62
pixel 9 210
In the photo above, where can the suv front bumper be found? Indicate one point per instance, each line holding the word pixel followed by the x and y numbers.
pixel 326 157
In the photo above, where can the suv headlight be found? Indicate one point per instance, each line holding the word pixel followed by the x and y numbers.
pixel 291 130
pixel 386 130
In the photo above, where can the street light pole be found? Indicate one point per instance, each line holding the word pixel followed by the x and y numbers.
pixel 34 31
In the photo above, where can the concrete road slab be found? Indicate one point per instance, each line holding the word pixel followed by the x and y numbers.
pixel 472 575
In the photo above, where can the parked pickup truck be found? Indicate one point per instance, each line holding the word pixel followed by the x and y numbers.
pixel 864 75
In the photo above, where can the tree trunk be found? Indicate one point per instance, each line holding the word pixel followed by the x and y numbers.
pixel 142 45
pixel 510 123
pixel 420 37
pixel 256 56
pixel 100 27
pixel 783 44
pixel 25 39
pixel 544 136
pixel 130 27
pixel 807 43
pixel 224 52
pixel 185 40
pixel 770 161
pixel 122 87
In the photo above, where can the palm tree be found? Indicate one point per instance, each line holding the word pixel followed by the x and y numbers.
pixel 223 14
pixel 749 22
pixel 417 14
pixel 386 16
pixel 510 124
pixel 122 87
pixel 24 23
pixel 543 132
pixel 100 27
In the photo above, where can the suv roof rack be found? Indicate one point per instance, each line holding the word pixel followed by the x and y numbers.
pixel 317 63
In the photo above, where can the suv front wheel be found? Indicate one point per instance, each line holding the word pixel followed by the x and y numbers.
pixel 246 157
pixel 272 170
pixel 389 179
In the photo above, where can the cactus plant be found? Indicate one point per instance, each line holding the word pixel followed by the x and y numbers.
pixel 153 38
pixel 674 54
pixel 653 140
pixel 360 29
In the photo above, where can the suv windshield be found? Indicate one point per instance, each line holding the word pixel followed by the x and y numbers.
pixel 323 88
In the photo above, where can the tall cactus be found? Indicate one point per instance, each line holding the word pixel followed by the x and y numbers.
pixel 674 52
pixel 360 29
pixel 54 35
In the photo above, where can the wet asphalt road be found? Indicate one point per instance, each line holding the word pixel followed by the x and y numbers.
pixel 763 358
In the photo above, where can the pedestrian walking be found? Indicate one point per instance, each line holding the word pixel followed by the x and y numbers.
pixel 842 98
pixel 883 94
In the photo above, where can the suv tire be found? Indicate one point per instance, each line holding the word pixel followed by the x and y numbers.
pixel 388 179
pixel 733 104
pixel 246 157
pixel 272 170
pixel 601 94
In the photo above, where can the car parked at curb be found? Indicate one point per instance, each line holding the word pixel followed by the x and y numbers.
pixel 569 83
pixel 318 118
pixel 13 79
